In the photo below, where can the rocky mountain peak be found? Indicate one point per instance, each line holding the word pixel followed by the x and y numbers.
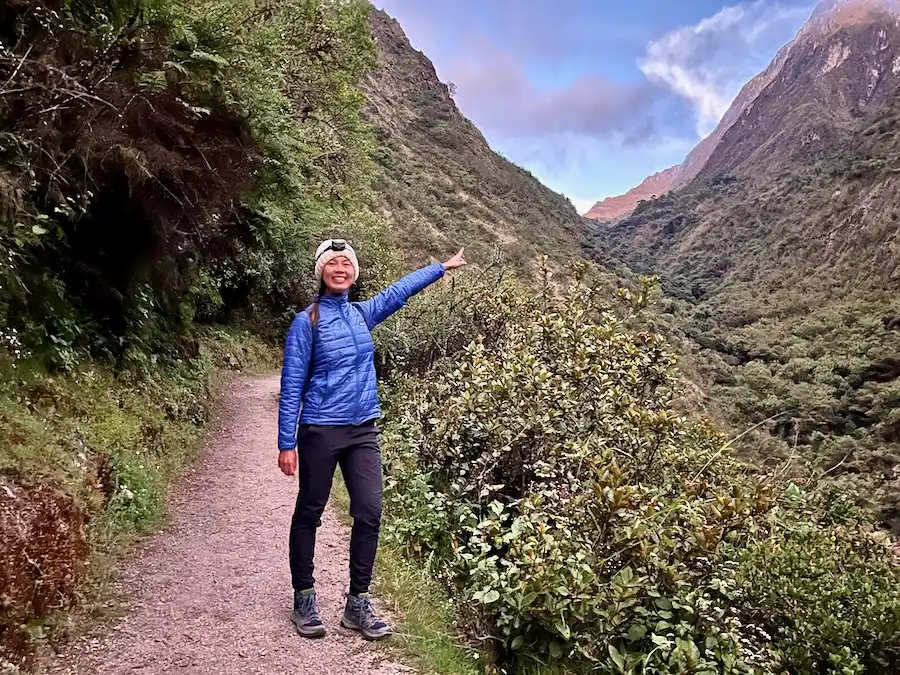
pixel 847 12
pixel 855 44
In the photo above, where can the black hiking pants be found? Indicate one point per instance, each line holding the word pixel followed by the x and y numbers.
pixel 319 450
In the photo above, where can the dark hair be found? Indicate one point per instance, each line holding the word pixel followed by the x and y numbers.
pixel 314 310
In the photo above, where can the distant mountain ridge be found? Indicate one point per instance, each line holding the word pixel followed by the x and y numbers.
pixel 440 184
pixel 843 66
pixel 653 186
pixel 681 174
pixel 827 18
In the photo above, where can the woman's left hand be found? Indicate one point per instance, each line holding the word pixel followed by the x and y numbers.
pixel 456 261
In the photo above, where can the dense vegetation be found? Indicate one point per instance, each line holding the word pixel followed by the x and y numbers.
pixel 782 296
pixel 585 526
pixel 172 163
pixel 166 168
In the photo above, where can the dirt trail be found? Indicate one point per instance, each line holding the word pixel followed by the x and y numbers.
pixel 212 593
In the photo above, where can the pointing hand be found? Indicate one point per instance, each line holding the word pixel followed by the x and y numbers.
pixel 456 261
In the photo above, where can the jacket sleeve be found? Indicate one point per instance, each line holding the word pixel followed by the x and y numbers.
pixel 392 298
pixel 297 351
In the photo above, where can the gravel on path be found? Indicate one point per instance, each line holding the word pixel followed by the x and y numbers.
pixel 212 593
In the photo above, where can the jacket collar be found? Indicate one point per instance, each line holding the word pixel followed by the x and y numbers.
pixel 335 300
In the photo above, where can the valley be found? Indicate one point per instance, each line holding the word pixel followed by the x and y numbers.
pixel 581 473
pixel 782 255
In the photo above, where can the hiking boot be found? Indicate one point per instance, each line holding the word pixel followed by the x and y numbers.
pixel 306 615
pixel 359 614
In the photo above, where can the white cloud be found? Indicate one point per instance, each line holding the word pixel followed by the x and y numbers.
pixel 708 63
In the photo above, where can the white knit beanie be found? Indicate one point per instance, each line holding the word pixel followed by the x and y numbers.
pixel 326 252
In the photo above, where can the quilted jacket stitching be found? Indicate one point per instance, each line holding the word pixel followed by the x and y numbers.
pixel 337 404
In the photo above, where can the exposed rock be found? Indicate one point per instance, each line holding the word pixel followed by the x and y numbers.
pixel 655 185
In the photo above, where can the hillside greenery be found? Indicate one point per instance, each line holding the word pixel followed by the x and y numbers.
pixel 166 169
pixel 544 476
pixel 174 163
pixel 781 294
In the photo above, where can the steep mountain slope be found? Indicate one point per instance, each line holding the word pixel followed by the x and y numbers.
pixel 682 174
pixel 785 251
pixel 653 186
pixel 699 156
pixel 801 188
pixel 440 184
pixel 844 66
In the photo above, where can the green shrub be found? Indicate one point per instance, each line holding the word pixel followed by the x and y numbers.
pixel 829 605
pixel 165 163
pixel 437 323
pixel 543 476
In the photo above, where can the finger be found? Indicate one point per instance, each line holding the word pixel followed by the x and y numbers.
pixel 285 467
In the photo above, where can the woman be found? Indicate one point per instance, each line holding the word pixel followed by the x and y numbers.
pixel 329 367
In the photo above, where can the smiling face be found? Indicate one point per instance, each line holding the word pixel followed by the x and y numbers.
pixel 338 274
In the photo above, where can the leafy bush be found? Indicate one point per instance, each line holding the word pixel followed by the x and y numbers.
pixel 545 478
pixel 827 597
pixel 437 323
pixel 86 462
pixel 164 163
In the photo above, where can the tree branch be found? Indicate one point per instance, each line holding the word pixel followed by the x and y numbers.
pixel 18 68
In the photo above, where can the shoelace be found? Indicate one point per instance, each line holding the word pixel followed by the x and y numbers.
pixel 367 612
pixel 310 610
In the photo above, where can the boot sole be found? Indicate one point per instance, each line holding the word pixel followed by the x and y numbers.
pixel 309 632
pixel 368 635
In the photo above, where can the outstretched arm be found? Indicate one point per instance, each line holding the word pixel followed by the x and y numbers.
pixel 297 351
pixel 377 309
pixel 395 296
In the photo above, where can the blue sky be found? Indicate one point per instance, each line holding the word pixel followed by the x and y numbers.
pixel 592 96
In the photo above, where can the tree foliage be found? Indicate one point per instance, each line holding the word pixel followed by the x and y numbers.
pixel 164 162
pixel 545 477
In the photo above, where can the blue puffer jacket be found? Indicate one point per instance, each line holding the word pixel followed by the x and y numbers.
pixel 338 359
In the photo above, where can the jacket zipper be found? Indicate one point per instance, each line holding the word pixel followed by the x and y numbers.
pixel 356 364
